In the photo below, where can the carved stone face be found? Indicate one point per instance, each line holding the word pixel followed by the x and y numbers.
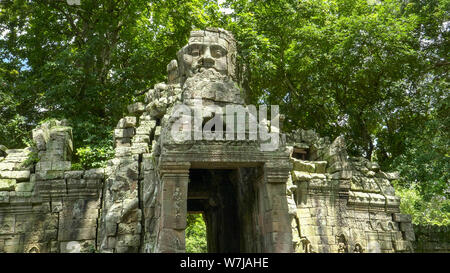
pixel 206 55
pixel 207 50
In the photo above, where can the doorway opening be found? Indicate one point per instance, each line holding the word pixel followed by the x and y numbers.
pixel 228 201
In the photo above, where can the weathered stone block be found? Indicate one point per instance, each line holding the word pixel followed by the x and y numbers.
pixel 124 133
pixel 336 167
pixel 4 197
pixel 94 183
pixel 123 142
pixel 61 165
pixel 7 184
pixel 69 223
pixel 123 151
pixel 73 174
pixel 143 130
pixel 147 162
pixel 318 176
pixel 402 218
pixel 8 166
pixel 126 122
pixel 140 148
pixel 406 227
pixel 320 166
pixel 401 245
pixel 342 175
pixel 157 131
pixel 392 175
pixel 373 166
pixel 75 183
pixel 172 241
pixel 94 174
pixel 141 139
pixel 136 108
pixel 151 123
pixel 40 137
pixel 17 175
pixel 49 175
pixel 75 234
pixel 43 165
pixel 86 213
pixel 25 187
pixel 300 176
pixel 410 236
pixel 303 166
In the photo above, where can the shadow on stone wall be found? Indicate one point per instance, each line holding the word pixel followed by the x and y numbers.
pixel 432 239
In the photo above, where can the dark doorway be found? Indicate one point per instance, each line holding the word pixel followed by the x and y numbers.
pixel 228 201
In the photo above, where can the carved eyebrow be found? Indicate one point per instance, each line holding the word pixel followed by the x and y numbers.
pixel 197 44
pixel 190 46
pixel 220 46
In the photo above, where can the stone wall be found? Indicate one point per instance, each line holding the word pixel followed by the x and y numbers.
pixel 336 203
pixel 128 215
pixel 432 239
pixel 341 203
pixel 44 206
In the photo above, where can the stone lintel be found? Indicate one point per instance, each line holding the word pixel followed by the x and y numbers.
pixel 277 172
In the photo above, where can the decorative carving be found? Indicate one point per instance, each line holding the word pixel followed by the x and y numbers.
pixel 342 244
pixel 306 244
pixel 358 249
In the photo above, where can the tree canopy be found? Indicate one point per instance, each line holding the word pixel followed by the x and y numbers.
pixel 373 71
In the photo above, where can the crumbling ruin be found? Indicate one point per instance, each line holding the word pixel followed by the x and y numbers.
pixel 307 195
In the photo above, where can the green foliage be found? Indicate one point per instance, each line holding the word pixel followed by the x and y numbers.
pixel 13 125
pixel 76 167
pixel 335 66
pixel 91 249
pixel 93 157
pixel 425 163
pixel 196 234
pixel 32 159
pixel 435 211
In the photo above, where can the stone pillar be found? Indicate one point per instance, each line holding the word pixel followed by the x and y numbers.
pixel 277 230
pixel 174 180
pixel 54 143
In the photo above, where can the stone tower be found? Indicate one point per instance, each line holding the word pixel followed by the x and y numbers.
pixel 240 189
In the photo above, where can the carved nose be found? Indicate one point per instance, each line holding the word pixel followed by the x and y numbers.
pixel 207 60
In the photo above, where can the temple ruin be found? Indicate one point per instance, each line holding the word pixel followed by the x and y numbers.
pixel 306 195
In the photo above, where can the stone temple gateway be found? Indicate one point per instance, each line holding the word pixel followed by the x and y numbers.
pixel 305 196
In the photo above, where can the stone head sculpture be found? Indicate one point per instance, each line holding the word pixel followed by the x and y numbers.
pixel 207 49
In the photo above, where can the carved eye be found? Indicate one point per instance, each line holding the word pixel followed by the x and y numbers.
pixel 194 51
pixel 218 52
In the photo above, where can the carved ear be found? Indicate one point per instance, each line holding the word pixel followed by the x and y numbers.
pixel 172 71
pixel 180 54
